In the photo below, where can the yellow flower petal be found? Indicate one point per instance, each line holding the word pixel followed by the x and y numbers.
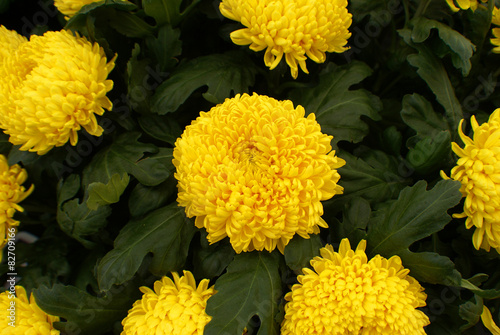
pixel 71 7
pixel 488 321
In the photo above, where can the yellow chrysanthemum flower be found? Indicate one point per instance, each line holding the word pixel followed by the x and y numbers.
pixel 71 7
pixel 488 321
pixel 10 40
pixel 463 4
pixel 51 87
pixel 347 294
pixel 295 28
pixel 495 40
pixel 11 194
pixel 27 317
pixel 174 307
pixel 478 169
pixel 255 169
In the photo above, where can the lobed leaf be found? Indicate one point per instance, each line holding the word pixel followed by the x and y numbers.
pixel 105 194
pixel 167 11
pixel 299 251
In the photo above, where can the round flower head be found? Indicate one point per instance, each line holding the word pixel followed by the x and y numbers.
pixel 174 307
pixel 347 294
pixel 51 87
pixel 71 7
pixel 295 28
pixel 9 42
pixel 28 317
pixel 478 169
pixel 463 4
pixel 11 194
pixel 255 169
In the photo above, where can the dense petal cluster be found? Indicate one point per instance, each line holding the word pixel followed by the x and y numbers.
pixel 11 194
pixel 495 40
pixel 51 87
pixel 478 169
pixel 71 7
pixel 347 294
pixel 464 4
pixel 255 169
pixel 296 29
pixel 174 307
pixel 28 318
pixel 9 42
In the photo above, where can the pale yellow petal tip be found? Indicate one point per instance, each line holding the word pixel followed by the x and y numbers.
pixel 488 321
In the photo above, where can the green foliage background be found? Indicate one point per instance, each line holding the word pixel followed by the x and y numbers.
pixel 105 211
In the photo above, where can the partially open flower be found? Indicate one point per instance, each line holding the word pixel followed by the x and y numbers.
pixel 290 28
pixel 255 169
pixel 71 7
pixel 51 87
pixel 174 307
pixel 478 169
pixel 27 318
pixel 347 294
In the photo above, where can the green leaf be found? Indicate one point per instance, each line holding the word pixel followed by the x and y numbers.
pixel 82 312
pixel 126 155
pixel 356 216
pixel 471 312
pixel 461 47
pixel 167 11
pixel 338 109
pixel 251 286
pixel 428 153
pixel 77 219
pixel 147 198
pixel 210 260
pixel 372 175
pixel 79 20
pixel 417 112
pixel 166 233
pixel 129 24
pixel 416 214
pixel 222 73
pixel 162 128
pixel 165 47
pixel 432 71
pixel 299 251
pixel 105 194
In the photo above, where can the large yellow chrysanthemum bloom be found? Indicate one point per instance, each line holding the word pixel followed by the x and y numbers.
pixel 347 294
pixel 463 4
pixel 11 194
pixel 9 42
pixel 28 318
pixel 51 87
pixel 478 169
pixel 174 307
pixel 71 7
pixel 295 28
pixel 255 169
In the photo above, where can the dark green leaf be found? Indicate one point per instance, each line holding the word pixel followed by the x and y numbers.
pixel 126 155
pixel 79 20
pixel 416 214
pixel 417 112
pixel 105 194
pixel 299 251
pixel 166 233
pixel 338 109
pixel 210 260
pixel 433 72
pixel 165 47
pixel 222 73
pixel 167 11
pixel 82 312
pixel 428 153
pixel 355 219
pixel 129 24
pixel 162 128
pixel 461 47
pixel 146 198
pixel 251 286
pixel 471 312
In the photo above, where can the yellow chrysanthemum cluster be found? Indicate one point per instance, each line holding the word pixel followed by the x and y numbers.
pixel 255 169
pixel 478 169
pixel 174 307
pixel 51 87
pixel 495 40
pixel 464 4
pixel 347 294
pixel 28 318
pixel 295 28
pixel 11 194
pixel 9 42
pixel 71 7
